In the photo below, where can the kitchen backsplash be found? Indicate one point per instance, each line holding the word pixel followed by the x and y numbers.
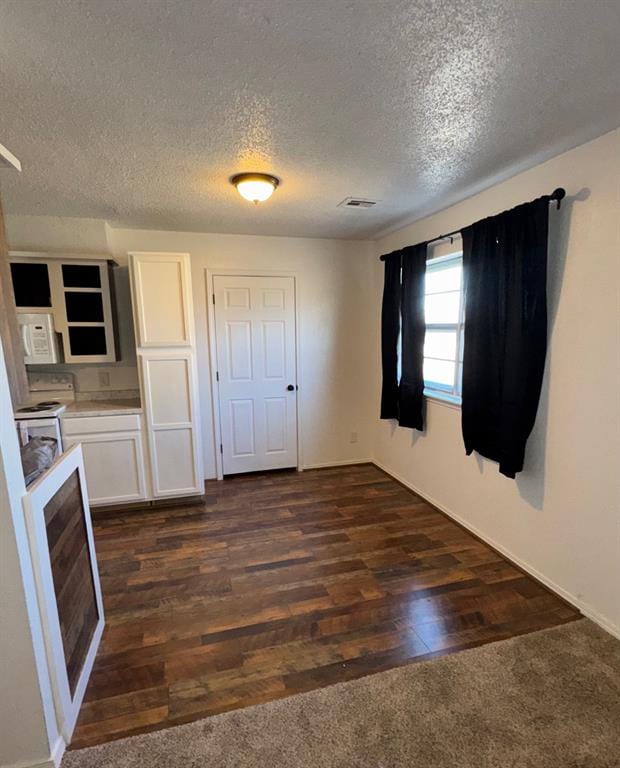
pixel 92 382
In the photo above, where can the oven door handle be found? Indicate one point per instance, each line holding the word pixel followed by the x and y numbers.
pixel 23 432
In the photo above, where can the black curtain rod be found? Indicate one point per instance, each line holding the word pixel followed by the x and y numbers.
pixel 556 196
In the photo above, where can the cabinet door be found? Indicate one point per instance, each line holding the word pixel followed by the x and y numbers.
pixel 31 285
pixel 84 299
pixel 168 382
pixel 114 464
pixel 162 299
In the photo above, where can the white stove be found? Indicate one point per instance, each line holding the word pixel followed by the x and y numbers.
pixel 46 409
pixel 49 396
pixel 39 421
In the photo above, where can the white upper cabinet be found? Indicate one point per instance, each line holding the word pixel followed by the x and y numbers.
pixel 86 308
pixel 162 283
pixel 77 293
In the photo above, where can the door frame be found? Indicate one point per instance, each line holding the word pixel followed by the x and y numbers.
pixel 210 273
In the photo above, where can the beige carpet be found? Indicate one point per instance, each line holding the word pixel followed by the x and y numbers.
pixel 548 699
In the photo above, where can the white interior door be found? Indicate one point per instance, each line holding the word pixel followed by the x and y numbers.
pixel 257 389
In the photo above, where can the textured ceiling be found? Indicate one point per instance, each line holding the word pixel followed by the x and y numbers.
pixel 138 111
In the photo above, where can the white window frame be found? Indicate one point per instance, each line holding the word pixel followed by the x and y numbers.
pixel 435 390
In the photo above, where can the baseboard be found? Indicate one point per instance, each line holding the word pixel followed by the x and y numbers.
pixel 344 463
pixel 583 607
pixel 52 762
pixel 107 510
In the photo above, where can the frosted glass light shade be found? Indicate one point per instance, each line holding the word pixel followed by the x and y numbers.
pixel 255 187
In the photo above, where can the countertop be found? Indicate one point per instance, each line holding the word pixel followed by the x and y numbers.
pixel 101 408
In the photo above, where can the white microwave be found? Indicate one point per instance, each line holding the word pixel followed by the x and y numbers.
pixel 39 338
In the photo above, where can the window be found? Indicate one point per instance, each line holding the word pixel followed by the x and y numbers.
pixel 443 342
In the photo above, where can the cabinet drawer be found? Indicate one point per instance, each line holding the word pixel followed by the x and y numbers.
pixel 89 425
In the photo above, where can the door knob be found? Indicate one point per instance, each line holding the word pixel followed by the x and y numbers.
pixel 291 387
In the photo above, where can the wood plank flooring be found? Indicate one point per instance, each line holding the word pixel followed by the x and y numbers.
pixel 286 582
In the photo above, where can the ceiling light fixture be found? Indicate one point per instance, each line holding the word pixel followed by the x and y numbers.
pixel 255 187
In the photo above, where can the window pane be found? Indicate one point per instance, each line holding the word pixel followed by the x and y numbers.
pixel 439 372
pixel 440 344
pixel 84 307
pixel 81 276
pixel 442 307
pixel 443 278
pixel 87 340
pixel 31 284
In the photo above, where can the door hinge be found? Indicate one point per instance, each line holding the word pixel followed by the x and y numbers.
pixel 221 448
pixel 217 375
pixel 213 297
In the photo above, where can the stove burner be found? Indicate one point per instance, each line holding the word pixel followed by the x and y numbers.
pixel 48 403
pixel 37 408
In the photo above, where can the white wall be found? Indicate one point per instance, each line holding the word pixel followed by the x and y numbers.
pixel 28 731
pixel 55 233
pixel 336 307
pixel 561 517
pixel 336 321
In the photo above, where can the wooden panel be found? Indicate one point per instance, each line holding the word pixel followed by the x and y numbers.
pixel 174 458
pixel 285 582
pixel 9 331
pixel 161 286
pixel 169 390
pixel 71 571
pixel 62 581
pixel 168 387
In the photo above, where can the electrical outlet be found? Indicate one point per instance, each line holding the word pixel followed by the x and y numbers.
pixel 353 437
pixel 104 378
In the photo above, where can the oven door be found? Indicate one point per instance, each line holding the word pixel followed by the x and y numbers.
pixel 29 428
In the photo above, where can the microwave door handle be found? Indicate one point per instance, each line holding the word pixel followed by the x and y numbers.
pixel 25 340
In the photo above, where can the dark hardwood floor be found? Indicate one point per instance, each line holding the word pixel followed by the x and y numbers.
pixel 283 583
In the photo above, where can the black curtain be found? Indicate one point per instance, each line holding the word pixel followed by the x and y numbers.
pixel 411 390
pixel 390 329
pixel 505 274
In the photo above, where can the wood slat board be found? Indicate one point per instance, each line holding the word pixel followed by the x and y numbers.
pixel 286 582
pixel 72 574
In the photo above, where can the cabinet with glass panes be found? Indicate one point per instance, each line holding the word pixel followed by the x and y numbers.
pixel 78 293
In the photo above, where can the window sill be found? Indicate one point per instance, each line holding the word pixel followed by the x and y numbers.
pixel 443 399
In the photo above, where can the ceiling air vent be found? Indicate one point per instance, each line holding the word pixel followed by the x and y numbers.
pixel 357 202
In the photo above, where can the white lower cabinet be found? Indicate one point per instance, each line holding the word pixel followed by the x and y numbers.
pixel 113 456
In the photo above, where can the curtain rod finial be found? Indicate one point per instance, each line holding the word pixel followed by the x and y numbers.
pixel 558 195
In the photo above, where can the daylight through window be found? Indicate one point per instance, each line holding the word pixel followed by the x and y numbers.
pixel 443 342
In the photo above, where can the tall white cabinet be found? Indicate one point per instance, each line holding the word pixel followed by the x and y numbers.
pixel 166 351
